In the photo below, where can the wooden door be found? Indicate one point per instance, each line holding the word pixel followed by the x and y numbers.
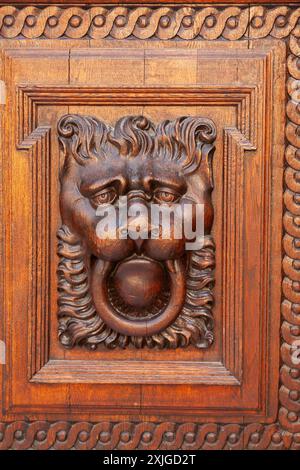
pixel 117 342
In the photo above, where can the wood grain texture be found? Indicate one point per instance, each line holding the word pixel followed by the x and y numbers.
pixel 244 99
pixel 232 22
pixel 279 432
pixel 237 105
pixel 92 372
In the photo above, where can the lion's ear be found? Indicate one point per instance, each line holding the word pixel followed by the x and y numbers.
pixel 82 137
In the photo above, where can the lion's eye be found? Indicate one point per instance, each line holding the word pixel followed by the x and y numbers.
pixel 165 196
pixel 106 196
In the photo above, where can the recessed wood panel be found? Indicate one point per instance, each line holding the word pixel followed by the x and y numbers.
pixel 227 63
pixel 235 372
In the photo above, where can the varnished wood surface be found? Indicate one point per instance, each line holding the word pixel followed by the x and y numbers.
pixel 158 22
pixel 151 2
pixel 145 292
pixel 243 391
pixel 97 80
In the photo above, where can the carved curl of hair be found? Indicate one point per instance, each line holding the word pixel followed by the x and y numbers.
pixel 183 140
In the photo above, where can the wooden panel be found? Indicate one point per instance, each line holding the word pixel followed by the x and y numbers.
pixel 74 60
pixel 115 66
pixel 235 357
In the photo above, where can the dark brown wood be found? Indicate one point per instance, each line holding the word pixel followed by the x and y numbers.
pixel 107 279
pixel 172 78
pixel 233 66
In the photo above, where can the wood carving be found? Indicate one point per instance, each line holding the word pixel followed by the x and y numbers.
pixel 143 22
pixel 121 22
pixel 250 25
pixel 289 413
pixel 119 290
pixel 129 435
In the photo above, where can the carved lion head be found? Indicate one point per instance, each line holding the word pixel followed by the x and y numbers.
pixel 147 291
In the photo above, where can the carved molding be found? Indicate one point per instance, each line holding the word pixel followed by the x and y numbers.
pixel 243 98
pixel 121 22
pixel 231 23
pixel 38 145
pixel 289 392
pixel 63 435
pixel 235 146
pixel 165 22
pixel 30 100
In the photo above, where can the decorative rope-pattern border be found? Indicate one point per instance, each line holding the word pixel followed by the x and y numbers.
pixel 289 392
pixel 121 22
pixel 63 435
pixel 231 23
pixel 99 22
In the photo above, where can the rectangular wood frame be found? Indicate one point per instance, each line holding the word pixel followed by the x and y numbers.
pixel 275 26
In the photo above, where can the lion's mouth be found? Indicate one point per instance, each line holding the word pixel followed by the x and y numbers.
pixel 139 296
pixel 138 287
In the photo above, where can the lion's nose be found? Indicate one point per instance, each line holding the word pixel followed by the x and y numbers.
pixel 138 245
pixel 138 222
pixel 138 229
